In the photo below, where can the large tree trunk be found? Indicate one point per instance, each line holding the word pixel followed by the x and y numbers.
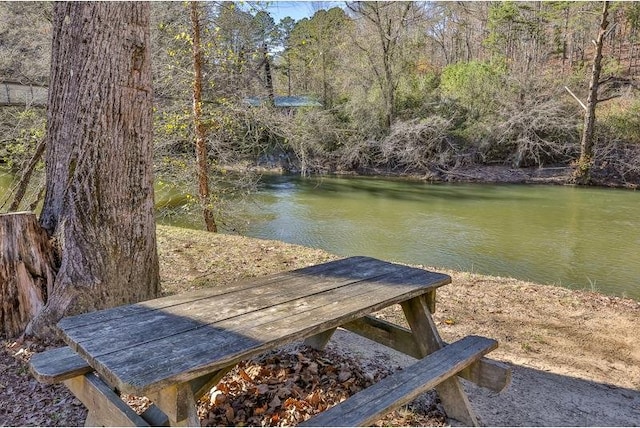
pixel 99 197
pixel 26 271
pixel 588 133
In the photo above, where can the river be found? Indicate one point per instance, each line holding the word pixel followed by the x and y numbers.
pixel 583 238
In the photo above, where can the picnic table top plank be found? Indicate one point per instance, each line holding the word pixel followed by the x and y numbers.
pixel 136 309
pixel 57 365
pixel 230 340
pixel 192 316
pixel 216 340
pixel 202 311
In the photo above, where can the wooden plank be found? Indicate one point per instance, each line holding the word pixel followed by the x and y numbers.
pixel 104 405
pixel 292 319
pixel 108 336
pixel 240 305
pixel 56 365
pixel 430 299
pixel 488 373
pixel 485 372
pixel 428 340
pixel 92 420
pixel 336 268
pixel 203 384
pixel 369 405
pixel 182 357
pixel 386 333
pixel 422 326
pixel 155 417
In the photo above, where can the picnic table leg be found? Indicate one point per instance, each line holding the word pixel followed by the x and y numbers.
pixel 320 340
pixel 173 411
pixel 203 384
pixel 179 404
pixel 430 299
pixel 428 340
pixel 92 420
pixel 105 406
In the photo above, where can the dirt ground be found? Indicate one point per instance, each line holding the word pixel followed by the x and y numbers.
pixel 575 355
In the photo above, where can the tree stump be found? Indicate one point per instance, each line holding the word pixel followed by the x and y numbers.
pixel 26 271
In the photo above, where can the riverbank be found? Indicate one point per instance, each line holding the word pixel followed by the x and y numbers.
pixel 575 354
pixel 506 175
pixel 491 174
pixel 563 175
pixel 495 174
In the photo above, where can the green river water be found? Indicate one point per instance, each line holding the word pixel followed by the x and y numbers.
pixel 584 238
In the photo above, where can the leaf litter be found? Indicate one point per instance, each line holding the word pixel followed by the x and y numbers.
pixel 289 386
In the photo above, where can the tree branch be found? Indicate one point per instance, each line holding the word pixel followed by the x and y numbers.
pixel 576 98
pixel 608 98
pixel 615 79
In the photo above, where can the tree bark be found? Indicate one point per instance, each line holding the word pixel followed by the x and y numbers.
pixel 99 194
pixel 26 271
pixel 202 157
pixel 588 134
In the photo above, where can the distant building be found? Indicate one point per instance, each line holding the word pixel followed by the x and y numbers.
pixel 284 102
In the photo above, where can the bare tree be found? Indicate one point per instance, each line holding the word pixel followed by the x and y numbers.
pixel 202 158
pixel 391 21
pixel 588 133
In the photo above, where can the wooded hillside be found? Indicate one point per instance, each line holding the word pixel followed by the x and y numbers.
pixel 418 87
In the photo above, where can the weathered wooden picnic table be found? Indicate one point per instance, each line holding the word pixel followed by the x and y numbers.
pixel 174 349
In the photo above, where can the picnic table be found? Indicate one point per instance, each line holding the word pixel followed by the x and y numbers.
pixel 175 349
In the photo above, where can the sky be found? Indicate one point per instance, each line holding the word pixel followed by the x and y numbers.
pixel 297 9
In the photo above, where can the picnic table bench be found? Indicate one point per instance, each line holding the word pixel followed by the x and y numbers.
pixel 174 349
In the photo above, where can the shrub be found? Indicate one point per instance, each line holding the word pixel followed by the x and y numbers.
pixel 532 127
pixel 420 144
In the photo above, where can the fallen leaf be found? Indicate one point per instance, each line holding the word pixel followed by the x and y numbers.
pixel 229 414
pixel 245 376
pixel 314 399
pixel 260 410
pixel 275 402
pixel 263 388
pixel 344 375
